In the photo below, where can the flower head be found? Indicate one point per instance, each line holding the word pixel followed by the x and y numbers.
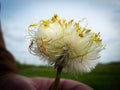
pixel 57 37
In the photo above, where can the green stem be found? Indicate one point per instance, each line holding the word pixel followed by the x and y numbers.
pixel 57 78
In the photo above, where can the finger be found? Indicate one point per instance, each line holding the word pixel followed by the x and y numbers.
pixel 73 85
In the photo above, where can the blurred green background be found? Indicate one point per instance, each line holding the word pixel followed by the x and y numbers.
pixel 103 77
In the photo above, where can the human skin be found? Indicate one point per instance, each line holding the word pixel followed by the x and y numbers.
pixel 19 82
pixel 10 79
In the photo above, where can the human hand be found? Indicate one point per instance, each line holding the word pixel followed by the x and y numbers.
pixel 65 84
pixel 19 82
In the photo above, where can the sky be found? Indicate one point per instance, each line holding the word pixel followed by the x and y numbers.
pixel 103 16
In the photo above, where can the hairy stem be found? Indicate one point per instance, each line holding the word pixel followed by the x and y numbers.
pixel 57 78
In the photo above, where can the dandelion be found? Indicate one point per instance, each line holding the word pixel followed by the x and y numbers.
pixel 65 44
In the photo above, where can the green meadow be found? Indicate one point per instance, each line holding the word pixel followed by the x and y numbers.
pixel 103 77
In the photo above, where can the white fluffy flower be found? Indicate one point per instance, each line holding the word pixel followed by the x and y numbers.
pixel 57 37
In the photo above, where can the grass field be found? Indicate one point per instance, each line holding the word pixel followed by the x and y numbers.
pixel 103 77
